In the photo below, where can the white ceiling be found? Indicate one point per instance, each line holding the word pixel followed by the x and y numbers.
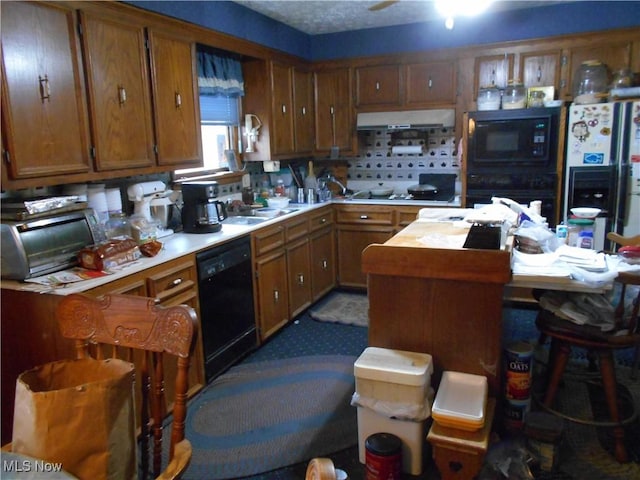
pixel 328 16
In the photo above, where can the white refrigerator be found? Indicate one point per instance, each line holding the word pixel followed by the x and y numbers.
pixel 602 166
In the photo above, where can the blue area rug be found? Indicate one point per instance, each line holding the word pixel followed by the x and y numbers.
pixel 260 416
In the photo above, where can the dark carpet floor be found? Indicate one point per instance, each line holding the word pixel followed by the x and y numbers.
pixel 305 336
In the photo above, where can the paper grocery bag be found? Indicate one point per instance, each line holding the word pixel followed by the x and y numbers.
pixel 79 413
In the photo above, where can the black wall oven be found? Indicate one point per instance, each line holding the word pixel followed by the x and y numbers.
pixel 514 154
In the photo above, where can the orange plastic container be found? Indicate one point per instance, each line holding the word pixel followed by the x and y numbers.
pixel 461 401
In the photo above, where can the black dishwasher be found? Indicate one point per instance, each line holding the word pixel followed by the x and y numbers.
pixel 227 319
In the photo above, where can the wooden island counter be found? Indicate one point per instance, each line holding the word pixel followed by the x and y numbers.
pixel 445 300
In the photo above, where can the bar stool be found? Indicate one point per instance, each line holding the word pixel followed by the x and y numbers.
pixel 564 335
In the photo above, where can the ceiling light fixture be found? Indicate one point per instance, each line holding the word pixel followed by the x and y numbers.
pixel 450 9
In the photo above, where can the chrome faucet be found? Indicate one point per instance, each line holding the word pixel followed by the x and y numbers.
pixel 328 178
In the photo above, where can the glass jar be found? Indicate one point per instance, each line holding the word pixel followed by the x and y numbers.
pixel 591 83
pixel 489 98
pixel 622 79
pixel 536 99
pixel 514 96
pixel 118 226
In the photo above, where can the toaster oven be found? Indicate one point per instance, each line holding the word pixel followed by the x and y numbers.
pixel 46 243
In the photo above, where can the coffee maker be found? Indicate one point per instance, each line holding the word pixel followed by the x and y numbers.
pixel 201 212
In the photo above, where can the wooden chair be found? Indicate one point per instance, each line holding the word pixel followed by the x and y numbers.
pixel 132 327
pixel 564 335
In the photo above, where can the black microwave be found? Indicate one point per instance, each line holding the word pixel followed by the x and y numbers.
pixel 524 138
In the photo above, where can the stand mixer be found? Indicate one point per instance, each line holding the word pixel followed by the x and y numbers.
pixel 152 201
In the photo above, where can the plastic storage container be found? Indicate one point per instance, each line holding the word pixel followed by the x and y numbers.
pixel 461 401
pixel 393 377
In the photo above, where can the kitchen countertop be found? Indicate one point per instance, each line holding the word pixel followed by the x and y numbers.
pixel 180 244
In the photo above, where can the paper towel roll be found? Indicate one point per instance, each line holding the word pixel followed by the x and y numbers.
pixel 114 200
pixel 407 149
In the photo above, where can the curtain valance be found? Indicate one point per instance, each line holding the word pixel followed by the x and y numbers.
pixel 219 75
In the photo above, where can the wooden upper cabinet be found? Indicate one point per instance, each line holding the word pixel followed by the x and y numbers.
pixel 282 114
pixel 430 83
pixel 119 93
pixel 379 85
pixel 303 116
pixel 333 109
pixel 493 71
pixel 175 100
pixel 614 55
pixel 44 124
pixel 540 69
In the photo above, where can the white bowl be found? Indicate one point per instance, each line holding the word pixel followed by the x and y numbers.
pixel 585 212
pixel 278 202
pixel 381 192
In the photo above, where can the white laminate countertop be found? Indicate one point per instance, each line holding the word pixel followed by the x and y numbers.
pixel 180 244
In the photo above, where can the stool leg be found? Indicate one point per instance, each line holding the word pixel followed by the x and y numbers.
pixel 609 382
pixel 560 357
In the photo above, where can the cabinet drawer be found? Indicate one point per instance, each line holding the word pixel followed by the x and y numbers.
pixel 174 279
pixel 320 219
pixel 365 215
pixel 297 227
pixel 268 239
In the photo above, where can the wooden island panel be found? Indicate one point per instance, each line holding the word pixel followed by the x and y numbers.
pixel 443 301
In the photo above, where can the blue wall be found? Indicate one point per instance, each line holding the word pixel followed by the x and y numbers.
pixel 564 18
pixel 236 20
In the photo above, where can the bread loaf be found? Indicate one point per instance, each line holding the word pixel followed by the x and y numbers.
pixel 109 254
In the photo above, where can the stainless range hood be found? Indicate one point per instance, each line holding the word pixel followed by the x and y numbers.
pixel 410 119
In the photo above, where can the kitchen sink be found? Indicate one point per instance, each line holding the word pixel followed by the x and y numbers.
pixel 240 220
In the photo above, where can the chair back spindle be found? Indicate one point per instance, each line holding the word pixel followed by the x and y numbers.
pixel 120 325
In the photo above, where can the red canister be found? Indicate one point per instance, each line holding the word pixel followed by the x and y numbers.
pixel 383 457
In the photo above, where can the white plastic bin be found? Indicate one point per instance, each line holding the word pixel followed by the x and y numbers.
pixel 394 378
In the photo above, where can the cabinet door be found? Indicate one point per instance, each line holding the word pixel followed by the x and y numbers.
pixel 303 116
pixel 352 240
pixel 493 71
pixel 282 108
pixel 273 305
pixel 430 83
pixel 299 274
pixel 43 99
pixel 323 262
pixel 119 94
pixel 175 100
pixel 333 110
pixel 378 85
pixel 540 69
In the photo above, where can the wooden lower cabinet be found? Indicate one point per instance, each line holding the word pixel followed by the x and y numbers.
pixel 294 265
pixel 352 240
pixel 322 251
pixel 272 292
pixel 323 262
pixel 358 226
pixel 299 276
